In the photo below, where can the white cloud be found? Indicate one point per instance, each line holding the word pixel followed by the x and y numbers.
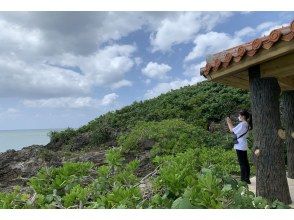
pixel 109 99
pixel 10 112
pixel 260 30
pixel 162 88
pixel 272 26
pixel 175 30
pixel 183 27
pixel 194 69
pixel 32 40
pixel 106 67
pixel 120 84
pixel 265 25
pixel 156 71
pixel 71 102
pixel 19 79
pixel 246 31
pixel 147 81
pixel 138 61
pixel 213 42
pixel 75 32
pixel 210 43
pixel 62 102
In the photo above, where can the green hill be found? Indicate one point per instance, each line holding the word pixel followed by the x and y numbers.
pixel 198 105
pixel 173 151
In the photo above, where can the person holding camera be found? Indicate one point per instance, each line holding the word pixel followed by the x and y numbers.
pixel 240 133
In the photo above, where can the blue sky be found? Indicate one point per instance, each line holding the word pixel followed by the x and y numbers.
pixel 63 69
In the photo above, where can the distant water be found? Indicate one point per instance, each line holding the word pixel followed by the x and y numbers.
pixel 17 139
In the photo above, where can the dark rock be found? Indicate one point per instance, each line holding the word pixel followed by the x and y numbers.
pixel 55 145
pixel 97 157
pixel 17 166
pixel 146 144
pixel 80 141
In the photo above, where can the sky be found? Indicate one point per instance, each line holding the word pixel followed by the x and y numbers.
pixel 63 69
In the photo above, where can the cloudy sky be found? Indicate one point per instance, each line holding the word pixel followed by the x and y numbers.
pixel 63 69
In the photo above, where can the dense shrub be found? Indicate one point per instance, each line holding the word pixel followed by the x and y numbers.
pixel 62 136
pixel 176 172
pixel 170 137
pixel 180 183
pixel 221 159
pixel 184 186
pixel 198 105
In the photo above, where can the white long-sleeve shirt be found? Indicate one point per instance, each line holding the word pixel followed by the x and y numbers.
pixel 240 129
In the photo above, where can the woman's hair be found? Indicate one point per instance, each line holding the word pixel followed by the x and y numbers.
pixel 248 117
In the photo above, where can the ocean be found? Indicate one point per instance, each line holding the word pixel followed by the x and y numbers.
pixel 17 139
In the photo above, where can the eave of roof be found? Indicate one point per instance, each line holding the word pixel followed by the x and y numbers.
pixel 226 58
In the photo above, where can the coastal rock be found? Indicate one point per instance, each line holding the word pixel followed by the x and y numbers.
pixel 80 141
pixel 97 157
pixel 17 166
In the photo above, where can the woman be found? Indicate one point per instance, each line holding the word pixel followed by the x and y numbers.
pixel 241 131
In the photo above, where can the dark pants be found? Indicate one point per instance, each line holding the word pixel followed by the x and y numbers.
pixel 244 165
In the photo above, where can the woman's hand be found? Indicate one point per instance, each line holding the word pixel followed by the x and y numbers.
pixel 228 119
pixel 230 123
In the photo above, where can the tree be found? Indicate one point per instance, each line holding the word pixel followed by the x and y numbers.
pixel 271 181
pixel 288 121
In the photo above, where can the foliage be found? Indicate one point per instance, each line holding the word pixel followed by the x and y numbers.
pixel 169 137
pixel 176 172
pixel 197 105
pixel 181 182
pixel 222 159
pixel 101 134
pixel 207 188
pixel 62 179
pixel 194 166
pixel 62 136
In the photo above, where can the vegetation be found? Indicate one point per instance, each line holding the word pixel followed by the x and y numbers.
pixel 193 167
pixel 198 105
pixel 180 182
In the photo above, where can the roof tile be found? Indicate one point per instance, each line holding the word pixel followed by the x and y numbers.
pixel 225 58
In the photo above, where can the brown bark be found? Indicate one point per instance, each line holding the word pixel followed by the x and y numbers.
pixel 271 181
pixel 288 121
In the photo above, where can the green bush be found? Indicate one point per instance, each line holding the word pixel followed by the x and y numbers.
pixel 180 183
pixel 62 179
pixel 176 172
pixel 222 159
pixel 197 105
pixel 170 137
pixel 62 136
pixel 101 134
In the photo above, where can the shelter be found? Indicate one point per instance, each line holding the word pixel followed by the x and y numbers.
pixel 264 67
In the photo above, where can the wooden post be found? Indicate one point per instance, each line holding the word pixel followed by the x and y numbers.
pixel 288 121
pixel 271 181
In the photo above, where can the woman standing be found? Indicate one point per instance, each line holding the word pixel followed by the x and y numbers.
pixel 241 146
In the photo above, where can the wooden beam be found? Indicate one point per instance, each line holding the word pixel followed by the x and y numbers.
pixel 232 83
pixel 287 82
pixel 280 67
pixel 278 50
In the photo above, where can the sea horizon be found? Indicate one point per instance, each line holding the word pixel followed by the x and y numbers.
pixel 19 138
pixel 22 129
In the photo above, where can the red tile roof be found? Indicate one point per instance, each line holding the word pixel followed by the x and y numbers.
pixel 234 55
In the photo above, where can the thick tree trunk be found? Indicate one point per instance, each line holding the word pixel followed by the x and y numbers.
pixel 288 121
pixel 271 181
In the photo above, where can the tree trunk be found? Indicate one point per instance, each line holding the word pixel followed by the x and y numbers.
pixel 288 121
pixel 271 181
